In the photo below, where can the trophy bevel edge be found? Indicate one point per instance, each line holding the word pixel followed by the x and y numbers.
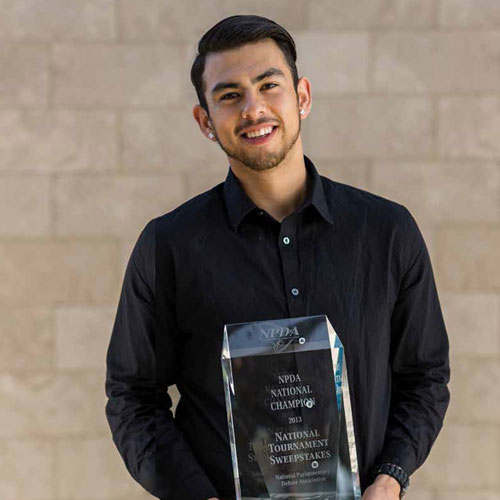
pixel 227 375
pixel 346 401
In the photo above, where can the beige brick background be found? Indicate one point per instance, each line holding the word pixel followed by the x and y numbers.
pixel 97 137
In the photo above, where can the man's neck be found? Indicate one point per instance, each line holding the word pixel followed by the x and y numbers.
pixel 281 190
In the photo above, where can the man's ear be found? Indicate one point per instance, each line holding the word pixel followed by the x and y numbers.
pixel 304 95
pixel 201 117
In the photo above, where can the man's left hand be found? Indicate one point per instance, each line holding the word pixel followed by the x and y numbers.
pixel 383 488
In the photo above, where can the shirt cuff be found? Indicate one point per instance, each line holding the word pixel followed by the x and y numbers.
pixel 399 453
pixel 194 487
pixel 198 487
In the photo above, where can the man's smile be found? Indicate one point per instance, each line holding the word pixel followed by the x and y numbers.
pixel 262 135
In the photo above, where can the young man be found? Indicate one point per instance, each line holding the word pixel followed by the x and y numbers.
pixel 275 240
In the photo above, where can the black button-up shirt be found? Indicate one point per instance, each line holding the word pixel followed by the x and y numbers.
pixel 356 257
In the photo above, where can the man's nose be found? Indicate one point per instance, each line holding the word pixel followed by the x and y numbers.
pixel 253 106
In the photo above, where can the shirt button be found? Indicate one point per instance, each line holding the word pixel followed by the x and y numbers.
pixel 286 240
pixel 295 291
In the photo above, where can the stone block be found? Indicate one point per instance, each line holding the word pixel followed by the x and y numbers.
pixel 27 340
pixel 167 141
pixel 437 62
pixel 82 337
pixel 334 62
pixel 93 469
pixel 468 258
pixel 47 20
pixel 369 127
pixel 113 205
pixel 475 390
pixel 24 79
pixel 50 405
pixel 167 20
pixel 59 140
pixel 468 127
pixel 27 469
pixel 442 192
pixel 24 206
pixel 371 13
pixel 473 323
pixel 469 13
pixel 467 494
pixel 52 273
pixel 116 75
pixel 464 456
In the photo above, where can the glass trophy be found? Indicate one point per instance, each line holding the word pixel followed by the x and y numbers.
pixel 288 408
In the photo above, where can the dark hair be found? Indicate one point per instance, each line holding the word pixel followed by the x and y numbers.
pixel 233 32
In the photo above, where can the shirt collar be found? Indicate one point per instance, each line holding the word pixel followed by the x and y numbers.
pixel 238 204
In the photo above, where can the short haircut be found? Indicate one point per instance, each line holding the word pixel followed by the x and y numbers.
pixel 233 32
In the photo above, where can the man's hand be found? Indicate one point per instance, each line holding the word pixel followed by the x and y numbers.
pixel 383 488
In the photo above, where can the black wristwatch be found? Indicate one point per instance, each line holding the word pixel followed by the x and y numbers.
pixel 397 473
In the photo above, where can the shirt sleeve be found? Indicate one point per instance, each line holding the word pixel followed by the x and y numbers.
pixel 419 358
pixel 138 410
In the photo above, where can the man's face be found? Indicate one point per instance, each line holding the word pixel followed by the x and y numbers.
pixel 261 95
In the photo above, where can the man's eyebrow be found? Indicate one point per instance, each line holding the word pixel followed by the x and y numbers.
pixel 230 85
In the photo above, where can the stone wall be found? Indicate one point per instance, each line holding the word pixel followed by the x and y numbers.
pixel 97 137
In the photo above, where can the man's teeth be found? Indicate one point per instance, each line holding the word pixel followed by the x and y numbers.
pixel 258 133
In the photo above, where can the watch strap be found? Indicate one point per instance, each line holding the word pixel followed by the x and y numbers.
pixel 397 473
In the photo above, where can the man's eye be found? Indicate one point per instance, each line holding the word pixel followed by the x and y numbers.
pixel 223 98
pixel 227 97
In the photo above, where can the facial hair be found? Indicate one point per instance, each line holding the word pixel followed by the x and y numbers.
pixel 262 160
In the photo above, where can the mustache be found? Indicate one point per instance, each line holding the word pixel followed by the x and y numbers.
pixel 267 121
